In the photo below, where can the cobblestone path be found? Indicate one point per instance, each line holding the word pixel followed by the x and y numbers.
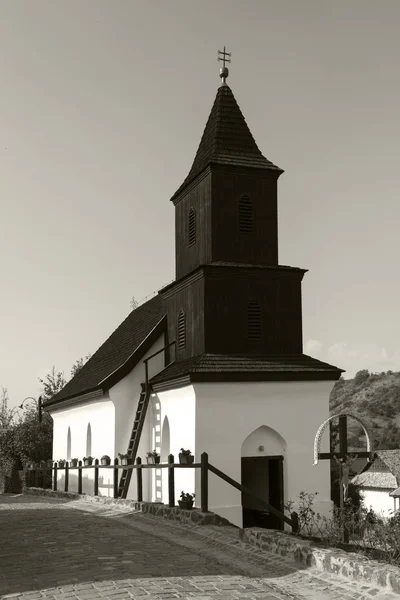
pixel 60 549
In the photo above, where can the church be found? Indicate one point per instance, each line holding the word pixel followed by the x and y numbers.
pixel 214 362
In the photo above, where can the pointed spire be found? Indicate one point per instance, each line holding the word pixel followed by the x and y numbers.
pixel 226 140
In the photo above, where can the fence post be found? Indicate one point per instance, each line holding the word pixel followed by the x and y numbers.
pixel 171 480
pixel 295 522
pixel 139 476
pixel 80 477
pixel 66 476
pixel 115 478
pixel 96 477
pixel 55 477
pixel 204 482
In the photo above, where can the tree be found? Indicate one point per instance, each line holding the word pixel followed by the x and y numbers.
pixel 78 364
pixel 361 376
pixel 6 414
pixel 52 383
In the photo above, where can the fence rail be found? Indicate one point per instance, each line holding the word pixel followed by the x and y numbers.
pixel 48 476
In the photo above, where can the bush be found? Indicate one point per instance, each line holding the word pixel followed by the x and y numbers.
pixel 25 441
pixel 369 534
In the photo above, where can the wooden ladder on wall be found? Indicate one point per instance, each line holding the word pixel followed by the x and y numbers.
pixel 138 425
pixel 134 439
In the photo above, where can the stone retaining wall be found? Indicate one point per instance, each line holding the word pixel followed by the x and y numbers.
pixel 158 509
pixel 348 565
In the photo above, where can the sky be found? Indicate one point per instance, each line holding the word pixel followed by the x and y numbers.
pixel 102 108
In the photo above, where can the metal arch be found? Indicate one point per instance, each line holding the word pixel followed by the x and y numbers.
pixel 318 437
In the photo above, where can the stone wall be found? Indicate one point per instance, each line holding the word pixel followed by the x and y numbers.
pixel 158 509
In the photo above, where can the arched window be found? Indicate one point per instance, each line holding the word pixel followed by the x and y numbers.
pixel 88 440
pixel 245 214
pixel 182 329
pixel 254 321
pixel 192 226
pixel 69 444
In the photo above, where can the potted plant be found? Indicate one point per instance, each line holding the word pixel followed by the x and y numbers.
pixel 42 464
pixel 61 463
pixel 74 462
pixel 87 460
pixel 153 458
pixel 31 465
pixel 186 457
pixel 50 463
pixel 105 460
pixel 186 501
pixel 124 458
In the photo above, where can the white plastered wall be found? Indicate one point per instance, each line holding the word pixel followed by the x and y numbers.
pixel 111 419
pixel 179 407
pixel 100 414
pixel 379 500
pixel 227 413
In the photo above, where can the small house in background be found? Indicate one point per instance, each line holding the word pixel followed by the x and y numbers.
pixel 379 482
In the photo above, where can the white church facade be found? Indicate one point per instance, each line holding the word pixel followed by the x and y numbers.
pixel 229 377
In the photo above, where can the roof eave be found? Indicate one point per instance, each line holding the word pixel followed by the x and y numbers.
pixel 121 372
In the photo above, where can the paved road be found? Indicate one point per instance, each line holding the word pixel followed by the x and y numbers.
pixel 60 549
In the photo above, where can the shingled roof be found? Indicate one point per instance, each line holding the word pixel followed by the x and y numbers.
pixel 119 353
pixel 375 479
pixel 383 472
pixel 219 367
pixel 226 140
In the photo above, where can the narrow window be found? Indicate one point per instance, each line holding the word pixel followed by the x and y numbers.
pixel 182 330
pixel 69 444
pixel 192 227
pixel 88 440
pixel 254 321
pixel 245 215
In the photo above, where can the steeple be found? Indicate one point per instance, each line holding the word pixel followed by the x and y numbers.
pixel 227 139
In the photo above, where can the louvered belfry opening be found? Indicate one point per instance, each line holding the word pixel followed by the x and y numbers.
pixel 182 329
pixel 245 215
pixel 192 226
pixel 254 321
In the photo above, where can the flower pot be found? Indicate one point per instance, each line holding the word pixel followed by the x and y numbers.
pixel 124 461
pixel 185 504
pixel 185 459
pixel 50 463
pixel 153 460
pixel 105 461
pixel 74 463
pixel 88 462
pixel 61 464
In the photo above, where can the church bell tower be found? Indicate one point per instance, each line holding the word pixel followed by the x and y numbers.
pixel 230 296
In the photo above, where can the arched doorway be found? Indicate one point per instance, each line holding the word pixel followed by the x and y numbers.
pixel 263 453
pixel 165 451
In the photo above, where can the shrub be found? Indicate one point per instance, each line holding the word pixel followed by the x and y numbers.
pixel 368 533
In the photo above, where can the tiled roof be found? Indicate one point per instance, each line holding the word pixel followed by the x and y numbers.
pixel 116 351
pixel 391 458
pixel 375 479
pixel 299 366
pixel 395 493
pixel 226 140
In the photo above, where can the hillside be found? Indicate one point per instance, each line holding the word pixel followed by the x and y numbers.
pixel 374 398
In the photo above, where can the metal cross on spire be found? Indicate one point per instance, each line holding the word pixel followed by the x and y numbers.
pixel 224 72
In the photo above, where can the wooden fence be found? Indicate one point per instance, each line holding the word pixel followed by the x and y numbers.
pixel 48 476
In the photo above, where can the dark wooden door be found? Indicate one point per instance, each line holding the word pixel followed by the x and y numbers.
pixel 263 475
